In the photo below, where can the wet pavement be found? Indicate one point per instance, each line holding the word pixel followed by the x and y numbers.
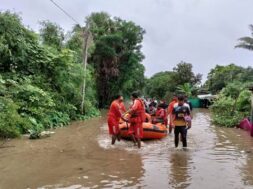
pixel 81 156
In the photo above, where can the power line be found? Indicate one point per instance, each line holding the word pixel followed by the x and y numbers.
pixel 65 12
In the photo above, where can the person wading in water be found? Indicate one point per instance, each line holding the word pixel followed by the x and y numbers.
pixel 137 117
pixel 169 111
pixel 114 116
pixel 180 119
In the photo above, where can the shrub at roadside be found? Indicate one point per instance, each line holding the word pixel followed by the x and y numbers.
pixel 232 105
pixel 40 83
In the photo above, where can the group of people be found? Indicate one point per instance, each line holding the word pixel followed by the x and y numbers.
pixel 136 116
pixel 176 114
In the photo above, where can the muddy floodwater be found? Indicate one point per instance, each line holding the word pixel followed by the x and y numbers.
pixel 80 156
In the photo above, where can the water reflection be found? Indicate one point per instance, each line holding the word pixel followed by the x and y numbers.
pixel 237 145
pixel 180 169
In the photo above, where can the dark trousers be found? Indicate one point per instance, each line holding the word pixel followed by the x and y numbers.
pixel 183 131
pixel 170 128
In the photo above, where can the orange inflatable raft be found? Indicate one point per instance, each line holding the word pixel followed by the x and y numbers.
pixel 150 131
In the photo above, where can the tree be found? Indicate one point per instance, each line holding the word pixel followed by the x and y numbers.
pixel 187 89
pixel 159 85
pixel 16 42
pixel 246 42
pixel 51 34
pixel 75 40
pixel 184 74
pixel 181 80
pixel 220 76
pixel 117 55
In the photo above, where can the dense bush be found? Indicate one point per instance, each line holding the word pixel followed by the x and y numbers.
pixel 232 105
pixel 12 123
pixel 40 84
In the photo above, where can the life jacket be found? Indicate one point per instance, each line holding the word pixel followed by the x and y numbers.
pixel 180 111
pixel 114 111
pixel 159 112
pixel 122 107
pixel 140 111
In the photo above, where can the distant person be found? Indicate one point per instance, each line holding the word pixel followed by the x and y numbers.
pixel 163 104
pixel 169 111
pixel 187 101
pixel 114 116
pixel 181 119
pixel 137 117
pixel 153 103
pixel 161 115
pixel 152 110
pixel 148 118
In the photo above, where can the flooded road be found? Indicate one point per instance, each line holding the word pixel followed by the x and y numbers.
pixel 80 156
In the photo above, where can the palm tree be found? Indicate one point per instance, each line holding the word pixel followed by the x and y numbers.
pixel 186 89
pixel 246 42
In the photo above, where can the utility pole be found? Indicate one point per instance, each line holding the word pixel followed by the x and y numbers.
pixel 86 36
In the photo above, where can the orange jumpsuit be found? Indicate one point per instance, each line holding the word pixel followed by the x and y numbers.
pixel 122 107
pixel 137 118
pixel 170 110
pixel 114 116
pixel 162 115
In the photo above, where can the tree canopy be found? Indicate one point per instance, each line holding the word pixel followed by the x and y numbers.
pixel 181 80
pixel 117 56
pixel 246 42
pixel 220 76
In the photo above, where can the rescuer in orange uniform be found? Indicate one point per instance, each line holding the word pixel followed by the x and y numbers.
pixel 161 115
pixel 137 117
pixel 170 109
pixel 114 116
pixel 122 107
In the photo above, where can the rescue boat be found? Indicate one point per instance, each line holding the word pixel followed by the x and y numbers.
pixel 150 130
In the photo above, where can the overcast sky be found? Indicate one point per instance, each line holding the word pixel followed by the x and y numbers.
pixel 201 32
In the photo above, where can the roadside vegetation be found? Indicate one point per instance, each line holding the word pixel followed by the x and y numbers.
pixel 231 83
pixel 41 74
pixel 182 80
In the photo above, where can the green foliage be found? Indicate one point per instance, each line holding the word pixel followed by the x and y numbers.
pixel 183 74
pixel 232 105
pixel 233 90
pixel 40 85
pixel 75 42
pixel 187 89
pixel 51 34
pixel 11 124
pixel 243 102
pixel 221 112
pixel 116 57
pixel 246 42
pixel 182 80
pixel 15 43
pixel 159 84
pixel 221 76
